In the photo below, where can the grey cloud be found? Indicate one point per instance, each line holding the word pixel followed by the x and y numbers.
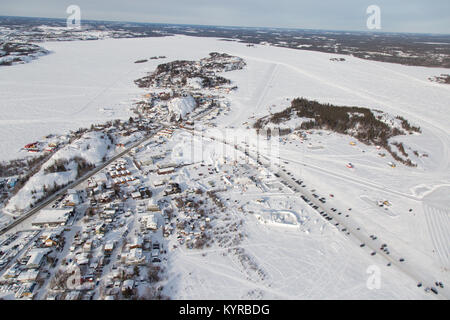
pixel 397 16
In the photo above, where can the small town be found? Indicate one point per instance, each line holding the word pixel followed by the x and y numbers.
pixel 109 237
pixel 209 158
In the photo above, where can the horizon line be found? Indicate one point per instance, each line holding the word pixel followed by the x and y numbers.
pixel 241 27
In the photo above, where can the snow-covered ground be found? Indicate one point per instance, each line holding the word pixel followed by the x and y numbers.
pixel 92 147
pixel 302 257
pixel 180 107
pixel 87 82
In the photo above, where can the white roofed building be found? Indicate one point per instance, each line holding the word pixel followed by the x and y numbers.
pixel 149 222
pixel 152 206
pixel 52 217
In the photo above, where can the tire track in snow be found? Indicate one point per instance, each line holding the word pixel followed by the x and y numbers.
pixel 213 268
pixel 438 130
pixel 415 275
pixel 438 223
pixel 258 94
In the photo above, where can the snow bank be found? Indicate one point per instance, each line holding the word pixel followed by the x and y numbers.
pixel 92 147
pixel 180 107
pixel 195 83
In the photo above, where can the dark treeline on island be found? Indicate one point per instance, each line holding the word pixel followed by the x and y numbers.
pixel 367 126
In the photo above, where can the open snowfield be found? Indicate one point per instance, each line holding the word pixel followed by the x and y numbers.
pixel 84 82
pixel 320 265
pixel 88 82
pixel 80 83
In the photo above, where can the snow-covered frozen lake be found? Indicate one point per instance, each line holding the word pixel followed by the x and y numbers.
pixel 85 82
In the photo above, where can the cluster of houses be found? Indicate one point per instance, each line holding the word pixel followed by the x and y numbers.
pixel 32 147
pixel 38 147
pixel 120 174
pixel 9 183
pixel 93 248
pixel 105 243
pixel 190 224
pixel 28 262
pixel 32 265
pixel 166 132
pixel 155 105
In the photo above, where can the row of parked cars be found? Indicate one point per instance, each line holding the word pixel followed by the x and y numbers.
pixel 383 247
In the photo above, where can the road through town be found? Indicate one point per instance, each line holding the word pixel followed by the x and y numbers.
pixel 341 220
pixel 26 216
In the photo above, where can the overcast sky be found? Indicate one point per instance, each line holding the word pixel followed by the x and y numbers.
pixel 396 15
